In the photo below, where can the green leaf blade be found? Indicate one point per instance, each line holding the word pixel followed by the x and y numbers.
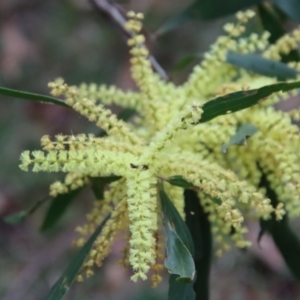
pixel 171 215
pixel 31 96
pixel 62 286
pixel 57 208
pixel 99 184
pixel 126 114
pixel 256 63
pixel 20 216
pixel 205 10
pixel 200 229
pixel 271 21
pixel 179 291
pixel 60 203
pixel 291 8
pixel 185 62
pixel 288 245
pixel 179 243
pixel 16 218
pixel 179 260
pixel 244 132
pixel 286 241
pixel 212 9
pixel 237 101
pixel 179 181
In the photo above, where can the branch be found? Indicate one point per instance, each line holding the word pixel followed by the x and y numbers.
pixel 110 9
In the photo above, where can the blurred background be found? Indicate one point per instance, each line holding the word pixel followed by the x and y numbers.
pixel 43 40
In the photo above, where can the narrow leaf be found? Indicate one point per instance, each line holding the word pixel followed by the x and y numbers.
pixel 126 114
pixel 99 183
pixel 171 215
pixel 211 9
pixel 16 218
pixel 179 260
pixel 57 208
pixel 62 286
pixel 175 22
pixel 31 96
pixel 178 180
pixel 286 241
pixel 186 61
pixel 60 203
pixel 291 8
pixel 179 291
pixel 288 244
pixel 205 10
pixel 260 65
pixel 245 131
pixel 216 200
pixel 200 228
pixel 271 21
pixel 240 100
pixel 20 216
pixel 179 244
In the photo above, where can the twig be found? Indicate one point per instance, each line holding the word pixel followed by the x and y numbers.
pixel 110 9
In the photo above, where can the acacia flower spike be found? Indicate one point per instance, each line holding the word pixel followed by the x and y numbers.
pixel 163 142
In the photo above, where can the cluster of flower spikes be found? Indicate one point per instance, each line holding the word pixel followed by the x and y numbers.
pixel 163 142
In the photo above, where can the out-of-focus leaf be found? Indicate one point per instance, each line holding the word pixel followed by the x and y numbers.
pixel 171 215
pixel 62 286
pixel 288 245
pixel 284 238
pixel 179 260
pixel 245 131
pixel 178 180
pixel 205 10
pixel 57 208
pixel 175 22
pixel 61 202
pixel 99 183
pixel 179 243
pixel 126 114
pixel 31 96
pixel 216 200
pixel 179 291
pixel 184 62
pixel 291 8
pixel 271 21
pixel 260 65
pixel 20 216
pixel 16 218
pixel 211 9
pixel 240 100
pixel 200 229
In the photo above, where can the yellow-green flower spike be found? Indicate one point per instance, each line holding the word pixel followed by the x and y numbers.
pixel 163 142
